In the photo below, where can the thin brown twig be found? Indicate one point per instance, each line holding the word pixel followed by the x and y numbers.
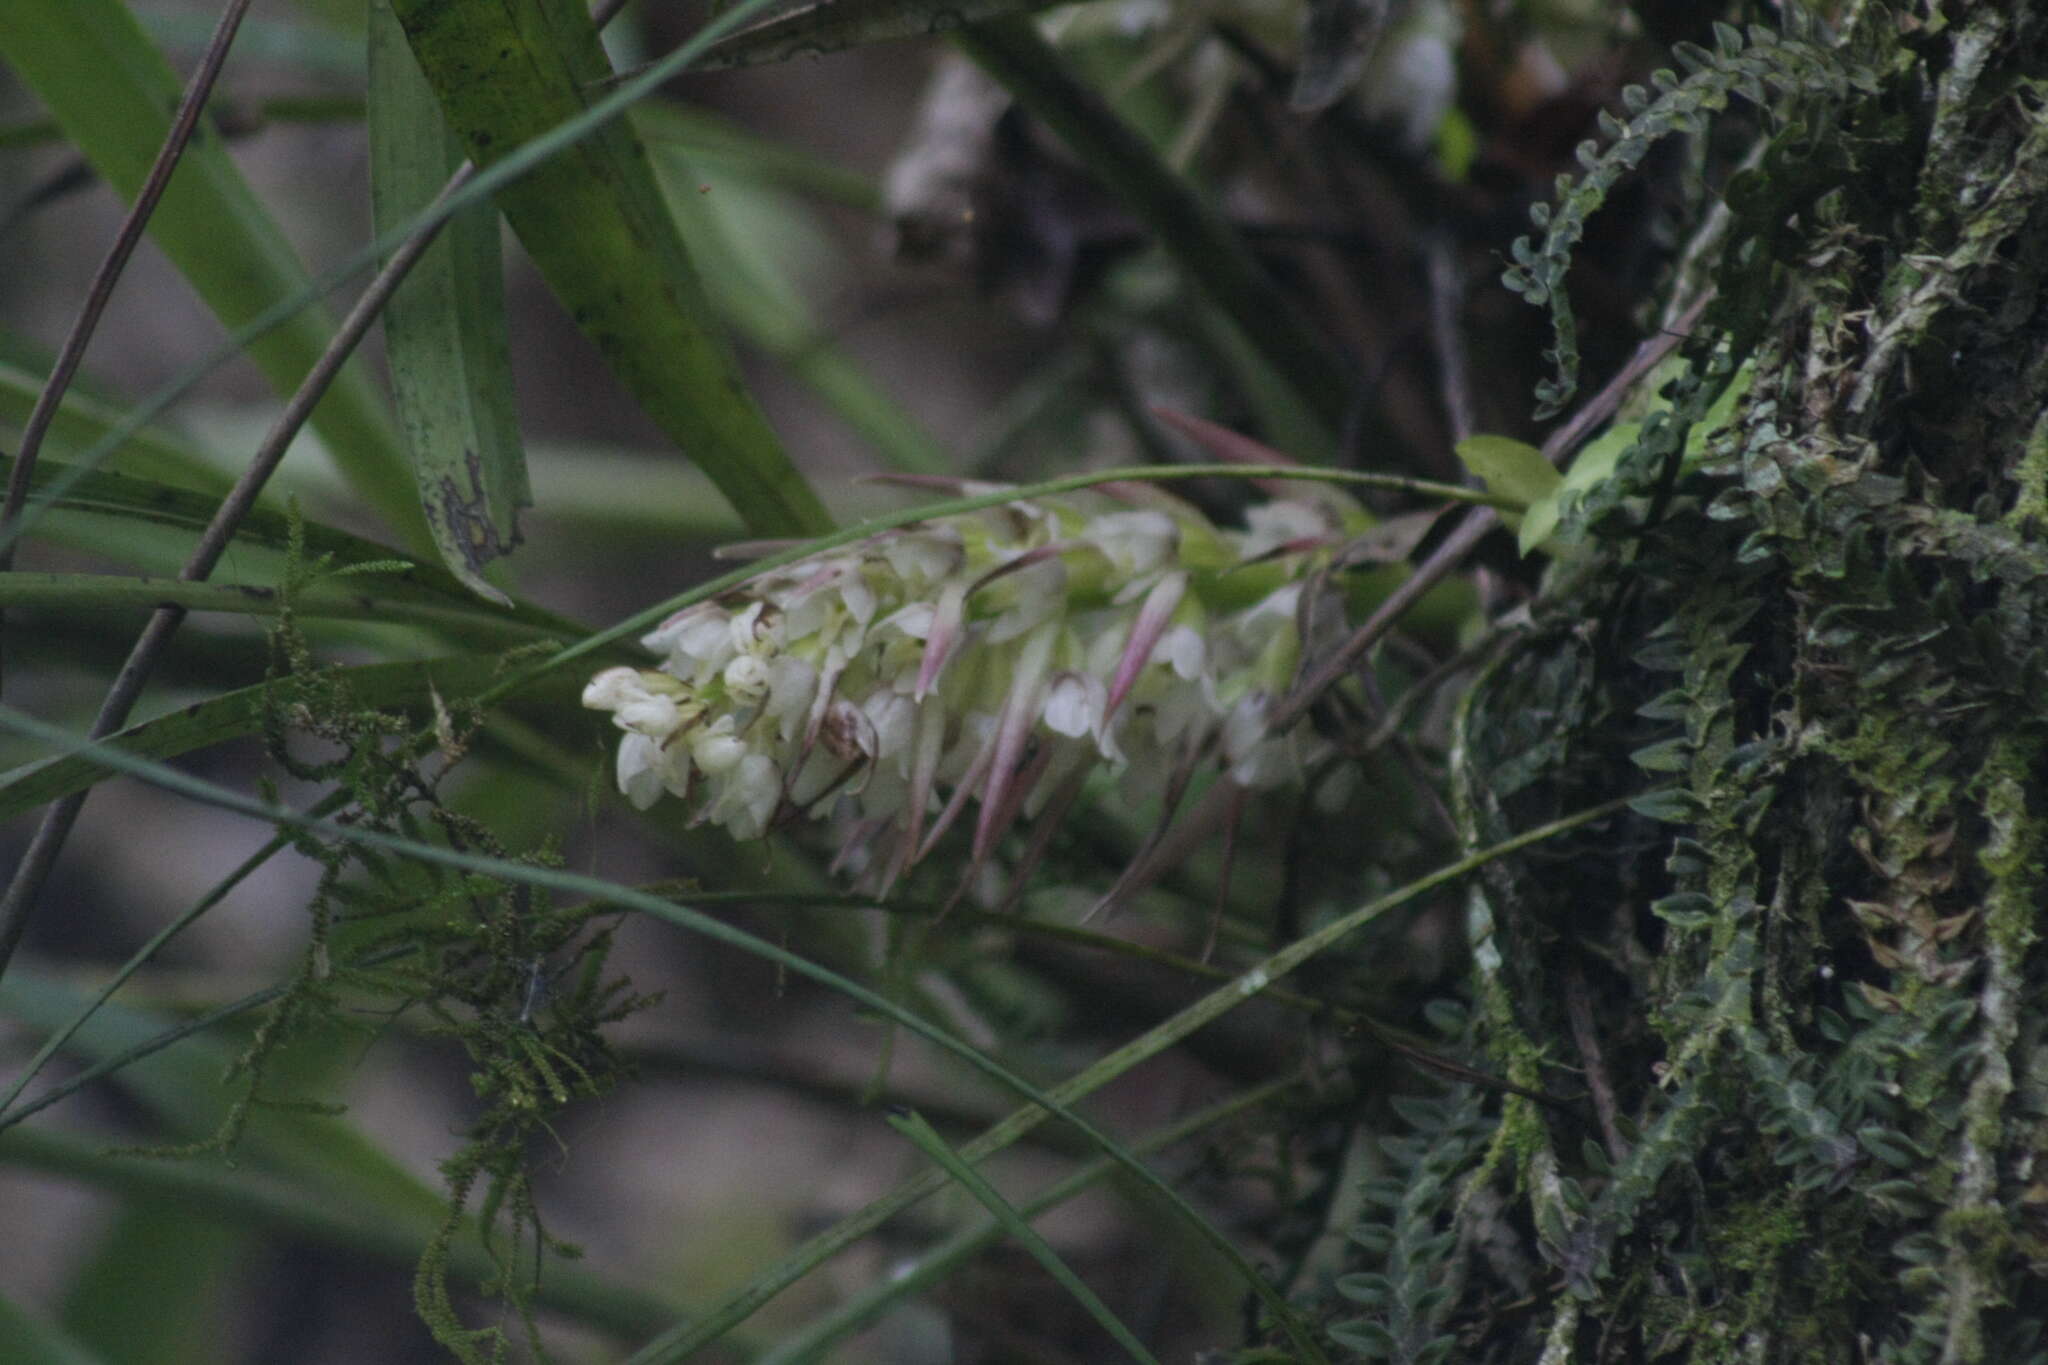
pixel 1477 523
pixel 72 353
pixel 48 841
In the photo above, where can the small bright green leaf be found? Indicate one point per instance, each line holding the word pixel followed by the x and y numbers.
pixel 1665 756
pixel 1512 469
pixel 1456 145
pixel 1364 1336
pixel 593 219
pixel 97 73
pixel 1368 1289
pixel 1722 412
pixel 1685 910
pixel 26 1339
pixel 444 330
pixel 835 25
pixel 1672 805
pixel 1597 458
pixel 1594 466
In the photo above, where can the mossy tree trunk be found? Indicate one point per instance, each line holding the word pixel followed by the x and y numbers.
pixel 1802 992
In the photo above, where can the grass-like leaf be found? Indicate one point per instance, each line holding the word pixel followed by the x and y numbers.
pixel 99 76
pixel 917 1276
pixel 962 1173
pixel 594 221
pixel 267 1204
pixel 752 247
pixel 1039 1103
pixel 235 714
pixel 118 506
pixel 479 187
pixel 379 597
pixel 444 330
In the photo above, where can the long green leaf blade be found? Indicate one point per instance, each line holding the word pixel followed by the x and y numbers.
pixel 379 1231
pixel 233 715
pixel 1019 1228
pixel 1039 1103
pixel 383 597
pixel 126 505
pixel 592 218
pixel 444 330
pixel 97 73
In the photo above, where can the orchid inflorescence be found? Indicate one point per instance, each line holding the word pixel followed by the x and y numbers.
pixel 996 657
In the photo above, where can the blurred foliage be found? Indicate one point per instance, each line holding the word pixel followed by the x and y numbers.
pixel 1525 1038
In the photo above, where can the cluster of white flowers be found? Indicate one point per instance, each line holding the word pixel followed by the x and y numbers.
pixel 994 658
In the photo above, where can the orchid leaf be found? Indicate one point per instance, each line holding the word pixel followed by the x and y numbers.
pixel 593 219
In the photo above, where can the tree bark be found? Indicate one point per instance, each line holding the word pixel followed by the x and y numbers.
pixel 1796 1003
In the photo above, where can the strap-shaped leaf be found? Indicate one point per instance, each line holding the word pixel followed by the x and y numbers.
pixel 444 330
pixel 123 505
pixel 100 78
pixel 594 222
pixel 233 715
pixel 392 598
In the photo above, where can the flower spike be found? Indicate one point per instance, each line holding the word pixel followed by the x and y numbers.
pixel 997 657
